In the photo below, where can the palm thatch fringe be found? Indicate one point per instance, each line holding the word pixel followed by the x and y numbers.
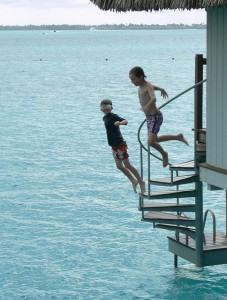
pixel 150 5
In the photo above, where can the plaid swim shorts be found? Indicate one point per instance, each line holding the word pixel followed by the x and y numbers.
pixel 154 122
pixel 120 151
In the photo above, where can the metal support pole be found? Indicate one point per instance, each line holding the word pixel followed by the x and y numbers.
pixel 199 225
pixel 175 261
pixel 198 124
pixel 141 161
pixel 149 170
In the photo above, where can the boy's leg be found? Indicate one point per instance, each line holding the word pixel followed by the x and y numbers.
pixel 154 123
pixel 153 141
pixel 125 171
pixel 134 171
pixel 171 137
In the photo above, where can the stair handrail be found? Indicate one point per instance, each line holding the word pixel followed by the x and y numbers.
pixel 214 222
pixel 163 105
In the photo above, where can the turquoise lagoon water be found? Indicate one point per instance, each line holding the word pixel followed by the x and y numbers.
pixel 70 227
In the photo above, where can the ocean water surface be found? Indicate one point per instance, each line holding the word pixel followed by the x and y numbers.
pixel 70 227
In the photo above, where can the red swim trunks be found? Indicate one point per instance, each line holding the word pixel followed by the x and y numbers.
pixel 120 151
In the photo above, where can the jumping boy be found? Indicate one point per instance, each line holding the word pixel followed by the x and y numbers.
pixel 154 116
pixel 119 147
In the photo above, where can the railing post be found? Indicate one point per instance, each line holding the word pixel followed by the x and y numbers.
pixel 199 225
pixel 149 170
pixel 141 161
pixel 198 124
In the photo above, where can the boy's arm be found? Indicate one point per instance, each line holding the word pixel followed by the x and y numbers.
pixel 163 92
pixel 123 122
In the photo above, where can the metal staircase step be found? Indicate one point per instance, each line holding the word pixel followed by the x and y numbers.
pixel 186 166
pixel 166 194
pixel 166 218
pixel 168 181
pixel 174 207
pixel 189 231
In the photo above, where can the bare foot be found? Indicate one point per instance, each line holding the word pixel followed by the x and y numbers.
pixel 183 139
pixel 134 185
pixel 165 161
pixel 142 187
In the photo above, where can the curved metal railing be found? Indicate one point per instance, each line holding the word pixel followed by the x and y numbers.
pixel 214 223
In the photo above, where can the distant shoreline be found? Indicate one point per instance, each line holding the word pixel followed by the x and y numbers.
pixel 102 27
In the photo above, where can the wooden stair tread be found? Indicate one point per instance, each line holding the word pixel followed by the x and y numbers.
pixel 175 227
pixel 171 207
pixel 169 194
pixel 186 166
pixel 178 179
pixel 188 231
pixel 165 216
pixel 163 205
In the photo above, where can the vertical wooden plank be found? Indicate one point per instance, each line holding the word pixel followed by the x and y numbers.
pixel 208 97
pixel 219 88
pixel 224 77
pixel 216 86
pixel 213 119
pixel 208 92
pixel 212 84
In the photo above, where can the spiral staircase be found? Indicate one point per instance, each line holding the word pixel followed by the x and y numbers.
pixel 178 208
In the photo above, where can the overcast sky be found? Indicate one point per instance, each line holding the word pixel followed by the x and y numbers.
pixel 37 12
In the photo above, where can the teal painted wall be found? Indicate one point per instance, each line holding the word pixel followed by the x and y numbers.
pixel 217 87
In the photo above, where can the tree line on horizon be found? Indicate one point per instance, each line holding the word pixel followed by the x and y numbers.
pixel 101 27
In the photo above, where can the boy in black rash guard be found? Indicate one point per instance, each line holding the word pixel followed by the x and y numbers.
pixel 119 147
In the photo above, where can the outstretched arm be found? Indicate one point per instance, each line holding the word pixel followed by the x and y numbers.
pixel 163 92
pixel 118 123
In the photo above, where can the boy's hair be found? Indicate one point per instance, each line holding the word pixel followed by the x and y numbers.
pixel 106 102
pixel 138 72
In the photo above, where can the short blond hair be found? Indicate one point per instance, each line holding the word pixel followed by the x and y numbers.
pixel 106 102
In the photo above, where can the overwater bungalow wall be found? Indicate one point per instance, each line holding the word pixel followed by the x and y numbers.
pixel 217 87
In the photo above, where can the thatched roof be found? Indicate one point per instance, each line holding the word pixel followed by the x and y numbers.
pixel 149 5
